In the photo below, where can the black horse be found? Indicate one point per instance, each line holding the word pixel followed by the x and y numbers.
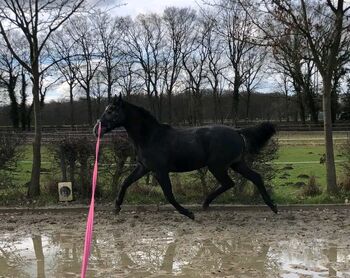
pixel 162 149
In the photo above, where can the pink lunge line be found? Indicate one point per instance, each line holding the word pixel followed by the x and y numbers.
pixel 90 219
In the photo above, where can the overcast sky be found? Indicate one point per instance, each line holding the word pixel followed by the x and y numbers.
pixel 135 7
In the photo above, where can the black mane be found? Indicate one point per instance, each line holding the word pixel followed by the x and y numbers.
pixel 146 115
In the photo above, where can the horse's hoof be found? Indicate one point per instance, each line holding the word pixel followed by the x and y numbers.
pixel 117 210
pixel 190 215
pixel 205 206
pixel 274 208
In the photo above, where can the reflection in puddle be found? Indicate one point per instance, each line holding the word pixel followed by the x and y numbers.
pixel 59 255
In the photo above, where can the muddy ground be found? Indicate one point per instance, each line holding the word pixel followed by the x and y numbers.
pixel 228 243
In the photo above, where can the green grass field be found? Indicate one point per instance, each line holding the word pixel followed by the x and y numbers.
pixel 294 166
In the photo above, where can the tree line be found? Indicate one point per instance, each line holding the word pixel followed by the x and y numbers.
pixel 267 106
pixel 225 46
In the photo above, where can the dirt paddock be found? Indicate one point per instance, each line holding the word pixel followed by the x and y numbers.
pixel 219 243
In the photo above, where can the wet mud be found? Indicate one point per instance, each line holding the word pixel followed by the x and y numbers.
pixel 228 243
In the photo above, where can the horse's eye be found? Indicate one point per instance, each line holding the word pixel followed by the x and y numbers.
pixel 109 110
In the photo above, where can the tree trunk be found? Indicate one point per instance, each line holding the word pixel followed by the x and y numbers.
pixel 23 102
pixel 286 108
pixel 334 108
pixel 235 104
pixel 248 105
pixel 170 114
pixel 71 101
pixel 215 107
pixel 216 100
pixel 83 175
pixel 301 106
pixel 14 105
pixel 29 116
pixel 34 186
pixel 109 85
pixel 198 107
pixel 160 106
pixel 327 111
pixel 88 99
pixel 63 164
pixel 72 171
pixel 311 105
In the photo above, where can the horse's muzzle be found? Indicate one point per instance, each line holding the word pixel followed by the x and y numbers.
pixel 95 129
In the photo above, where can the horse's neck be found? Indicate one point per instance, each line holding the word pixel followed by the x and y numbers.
pixel 140 128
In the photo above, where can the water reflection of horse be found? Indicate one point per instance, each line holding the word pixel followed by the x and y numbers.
pixel 163 149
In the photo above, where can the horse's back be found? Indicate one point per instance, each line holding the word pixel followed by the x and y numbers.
pixel 193 148
pixel 223 144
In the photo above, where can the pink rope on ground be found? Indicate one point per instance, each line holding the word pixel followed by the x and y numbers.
pixel 90 219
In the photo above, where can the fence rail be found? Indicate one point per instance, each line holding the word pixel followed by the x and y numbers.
pixel 282 126
pixel 52 134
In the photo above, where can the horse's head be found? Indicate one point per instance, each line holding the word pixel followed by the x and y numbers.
pixel 113 116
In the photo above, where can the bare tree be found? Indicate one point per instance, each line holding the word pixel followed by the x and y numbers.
pixel 254 63
pixel 194 59
pixel 110 34
pixel 26 111
pixel 284 85
pixel 216 64
pixel 9 73
pixel 178 22
pixel 63 50
pixel 88 58
pixel 37 20
pixel 237 29
pixel 128 80
pixel 47 81
pixel 292 55
pixel 288 53
pixel 144 43
pixel 98 91
pixel 323 26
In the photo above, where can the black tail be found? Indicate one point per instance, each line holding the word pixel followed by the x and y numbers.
pixel 257 136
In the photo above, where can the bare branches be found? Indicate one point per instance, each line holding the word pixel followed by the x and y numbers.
pixel 37 20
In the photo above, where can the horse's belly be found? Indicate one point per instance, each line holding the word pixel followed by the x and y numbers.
pixel 187 163
pixel 186 168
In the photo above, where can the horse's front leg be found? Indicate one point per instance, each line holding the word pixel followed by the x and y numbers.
pixel 135 175
pixel 164 181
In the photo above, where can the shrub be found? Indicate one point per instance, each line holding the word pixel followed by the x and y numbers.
pixel 75 157
pixel 10 152
pixel 121 155
pixel 345 184
pixel 345 181
pixel 312 188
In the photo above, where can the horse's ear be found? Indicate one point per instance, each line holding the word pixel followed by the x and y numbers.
pixel 114 99
pixel 117 99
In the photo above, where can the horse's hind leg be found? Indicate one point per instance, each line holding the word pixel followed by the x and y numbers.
pixel 164 181
pixel 225 184
pixel 255 178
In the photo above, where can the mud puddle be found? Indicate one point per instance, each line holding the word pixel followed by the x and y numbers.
pixel 164 244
